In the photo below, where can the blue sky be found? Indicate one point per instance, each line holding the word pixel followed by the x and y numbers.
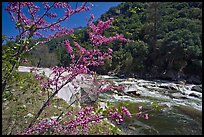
pixel 77 20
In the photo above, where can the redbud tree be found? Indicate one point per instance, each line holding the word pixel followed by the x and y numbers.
pixel 31 23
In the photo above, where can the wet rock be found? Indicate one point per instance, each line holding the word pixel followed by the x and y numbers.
pixel 122 76
pixel 197 88
pixel 135 93
pixel 145 86
pixel 194 95
pixel 173 87
pixel 178 96
pixel 168 86
pixel 131 79
pixel 111 73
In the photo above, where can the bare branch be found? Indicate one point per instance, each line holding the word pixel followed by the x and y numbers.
pixel 48 100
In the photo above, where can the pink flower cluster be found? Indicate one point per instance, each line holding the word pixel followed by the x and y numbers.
pixel 118 116
pixel 61 32
pixel 86 58
pixel 68 47
pixel 44 125
pixel 46 5
pixel 95 33
pixel 126 111
pixel 115 116
pixel 51 15
pixel 142 114
pixel 60 4
pixel 83 118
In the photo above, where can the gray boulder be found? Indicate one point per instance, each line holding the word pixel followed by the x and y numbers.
pixel 197 88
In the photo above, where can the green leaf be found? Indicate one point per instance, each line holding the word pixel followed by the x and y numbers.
pixel 99 110
pixel 27 26
pixel 4 36
pixel 105 112
pixel 18 24
pixel 156 105
pixel 133 11
pixel 109 104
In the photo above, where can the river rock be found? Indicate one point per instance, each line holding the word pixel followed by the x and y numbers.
pixel 145 86
pixel 193 94
pixel 197 88
pixel 131 79
pixel 168 86
pixel 122 76
pixel 136 93
pixel 178 95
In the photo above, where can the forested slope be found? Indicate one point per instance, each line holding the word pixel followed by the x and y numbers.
pixel 168 41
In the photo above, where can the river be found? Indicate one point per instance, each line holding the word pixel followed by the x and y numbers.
pixel 178 108
pixel 179 112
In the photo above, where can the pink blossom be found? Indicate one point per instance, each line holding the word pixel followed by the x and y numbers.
pixel 110 51
pixel 72 56
pixel 139 114
pixel 38 34
pixel 51 15
pixel 81 49
pixel 46 5
pixel 126 111
pixel 118 118
pixel 146 116
pixel 60 4
pixel 68 47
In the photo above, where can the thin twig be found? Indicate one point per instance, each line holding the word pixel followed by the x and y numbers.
pixel 30 12
pixel 60 20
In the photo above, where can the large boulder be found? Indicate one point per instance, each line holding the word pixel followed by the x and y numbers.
pixel 197 88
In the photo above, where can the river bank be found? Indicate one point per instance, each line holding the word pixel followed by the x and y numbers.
pixel 170 76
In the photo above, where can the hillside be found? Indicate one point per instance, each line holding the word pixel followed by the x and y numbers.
pixel 168 43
